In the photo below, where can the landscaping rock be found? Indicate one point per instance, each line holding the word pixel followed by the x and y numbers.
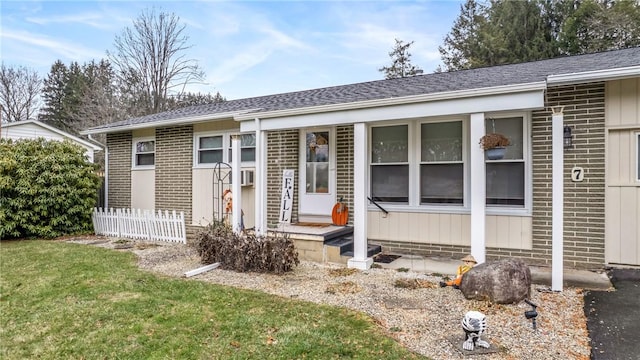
pixel 503 282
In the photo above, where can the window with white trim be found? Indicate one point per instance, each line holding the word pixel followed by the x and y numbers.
pixel 247 148
pixel 144 152
pixel 210 148
pixel 505 184
pixel 390 163
pixel 441 164
pixel 421 164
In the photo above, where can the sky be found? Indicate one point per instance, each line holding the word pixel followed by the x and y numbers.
pixel 246 48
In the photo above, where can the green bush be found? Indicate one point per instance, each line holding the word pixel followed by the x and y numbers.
pixel 47 189
pixel 271 254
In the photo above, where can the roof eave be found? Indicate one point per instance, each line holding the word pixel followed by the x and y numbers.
pixel 166 122
pixel 539 85
pixel 593 76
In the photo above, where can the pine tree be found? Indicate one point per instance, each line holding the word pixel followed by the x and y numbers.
pixel 401 62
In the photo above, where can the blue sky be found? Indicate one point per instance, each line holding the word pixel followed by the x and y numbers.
pixel 246 48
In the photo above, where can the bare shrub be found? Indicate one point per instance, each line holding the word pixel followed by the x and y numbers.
pixel 271 254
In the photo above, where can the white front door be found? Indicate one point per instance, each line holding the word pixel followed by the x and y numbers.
pixel 317 172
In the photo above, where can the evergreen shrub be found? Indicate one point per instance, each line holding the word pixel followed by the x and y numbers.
pixel 47 189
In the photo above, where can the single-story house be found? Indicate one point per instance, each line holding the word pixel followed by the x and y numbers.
pixel 34 129
pixel 405 156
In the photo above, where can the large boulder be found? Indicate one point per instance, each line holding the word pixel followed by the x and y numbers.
pixel 503 282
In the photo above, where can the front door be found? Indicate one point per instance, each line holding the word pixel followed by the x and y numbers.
pixel 317 172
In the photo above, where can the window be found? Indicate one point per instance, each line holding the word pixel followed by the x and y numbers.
pixel 210 148
pixel 421 164
pixel 505 183
pixel 441 166
pixel 144 153
pixel 247 148
pixel 390 163
pixel 317 161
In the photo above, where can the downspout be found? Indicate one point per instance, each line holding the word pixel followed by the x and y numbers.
pixel 106 174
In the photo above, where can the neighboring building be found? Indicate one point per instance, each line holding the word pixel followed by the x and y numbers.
pixel 33 129
pixel 411 146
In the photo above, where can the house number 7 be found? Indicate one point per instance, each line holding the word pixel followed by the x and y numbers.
pixel 577 174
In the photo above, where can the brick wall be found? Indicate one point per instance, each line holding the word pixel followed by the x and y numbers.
pixel 583 201
pixel 282 153
pixel 174 163
pixel 344 150
pixel 119 146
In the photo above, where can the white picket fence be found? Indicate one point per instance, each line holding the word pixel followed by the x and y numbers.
pixel 138 224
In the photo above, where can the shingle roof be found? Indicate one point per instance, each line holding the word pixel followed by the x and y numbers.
pixel 512 74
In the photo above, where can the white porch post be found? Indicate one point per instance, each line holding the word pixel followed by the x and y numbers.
pixel 557 227
pixel 360 179
pixel 236 189
pixel 260 182
pixel 478 189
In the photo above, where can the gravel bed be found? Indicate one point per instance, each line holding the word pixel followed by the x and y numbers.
pixel 425 319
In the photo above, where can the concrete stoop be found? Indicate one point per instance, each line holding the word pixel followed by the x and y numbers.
pixel 340 250
pixel 333 244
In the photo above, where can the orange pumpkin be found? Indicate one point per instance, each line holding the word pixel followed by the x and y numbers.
pixel 340 214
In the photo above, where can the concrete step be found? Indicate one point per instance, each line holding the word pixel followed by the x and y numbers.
pixel 345 244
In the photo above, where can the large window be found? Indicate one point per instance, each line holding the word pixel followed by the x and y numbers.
pixel 421 164
pixel 210 148
pixel 390 163
pixel 441 166
pixel 506 177
pixel 144 153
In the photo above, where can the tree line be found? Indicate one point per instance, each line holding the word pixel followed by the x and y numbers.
pixel 146 72
pixel 497 32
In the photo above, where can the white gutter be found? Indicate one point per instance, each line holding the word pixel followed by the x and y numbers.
pixel 168 122
pixel 591 76
pixel 540 85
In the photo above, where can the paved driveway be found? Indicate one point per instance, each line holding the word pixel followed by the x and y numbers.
pixel 613 318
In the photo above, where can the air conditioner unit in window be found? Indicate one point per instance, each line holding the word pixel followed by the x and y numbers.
pixel 246 177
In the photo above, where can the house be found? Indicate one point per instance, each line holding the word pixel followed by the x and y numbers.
pixel 404 155
pixel 33 129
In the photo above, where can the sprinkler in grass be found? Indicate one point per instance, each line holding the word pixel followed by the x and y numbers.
pixel 531 314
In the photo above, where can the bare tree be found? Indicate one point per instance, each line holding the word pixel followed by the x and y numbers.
pixel 151 62
pixel 19 93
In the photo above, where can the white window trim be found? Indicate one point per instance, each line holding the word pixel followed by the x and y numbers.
pixel 414 159
pixel 527 158
pixel 418 158
pixel 410 159
pixel 134 153
pixel 226 145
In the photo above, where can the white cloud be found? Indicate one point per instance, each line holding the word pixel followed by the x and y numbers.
pixel 95 20
pixel 67 50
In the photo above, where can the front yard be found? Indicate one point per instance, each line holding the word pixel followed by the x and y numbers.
pixel 63 300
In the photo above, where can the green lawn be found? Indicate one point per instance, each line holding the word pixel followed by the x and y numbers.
pixel 67 301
